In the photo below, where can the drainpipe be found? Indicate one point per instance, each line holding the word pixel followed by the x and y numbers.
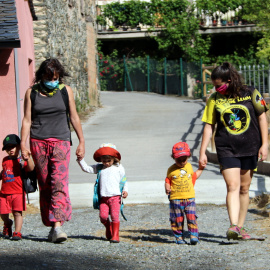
pixel 18 100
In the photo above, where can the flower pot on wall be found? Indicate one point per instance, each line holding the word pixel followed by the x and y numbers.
pixel 224 22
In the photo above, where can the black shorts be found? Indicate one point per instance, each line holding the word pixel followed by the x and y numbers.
pixel 244 163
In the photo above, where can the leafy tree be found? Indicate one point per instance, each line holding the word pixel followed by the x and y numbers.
pixel 179 28
pixel 176 21
pixel 259 12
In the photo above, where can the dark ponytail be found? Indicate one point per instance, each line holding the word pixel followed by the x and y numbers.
pixel 227 73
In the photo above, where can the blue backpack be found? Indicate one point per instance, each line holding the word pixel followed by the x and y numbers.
pixel 96 196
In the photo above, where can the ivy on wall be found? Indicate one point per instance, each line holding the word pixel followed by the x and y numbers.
pixel 174 18
pixel 178 23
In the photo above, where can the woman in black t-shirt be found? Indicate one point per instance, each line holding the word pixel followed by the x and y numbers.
pixel 241 139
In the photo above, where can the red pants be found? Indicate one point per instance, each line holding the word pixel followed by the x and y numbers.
pixel 109 205
pixel 52 160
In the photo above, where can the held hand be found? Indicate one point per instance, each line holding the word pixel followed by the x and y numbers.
pixel 263 152
pixel 25 153
pixel 80 152
pixel 124 194
pixel 202 161
pixel 201 167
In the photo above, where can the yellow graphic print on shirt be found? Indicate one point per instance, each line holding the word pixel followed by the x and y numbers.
pixel 181 182
pixel 235 118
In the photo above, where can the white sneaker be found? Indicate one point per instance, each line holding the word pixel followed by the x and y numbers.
pixel 59 235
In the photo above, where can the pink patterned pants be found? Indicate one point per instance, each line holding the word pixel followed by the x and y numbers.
pixel 109 205
pixel 52 160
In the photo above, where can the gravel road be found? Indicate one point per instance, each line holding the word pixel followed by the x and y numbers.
pixel 146 243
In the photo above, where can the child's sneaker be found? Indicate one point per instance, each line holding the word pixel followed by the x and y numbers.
pixel 233 232
pixel 59 235
pixel 194 240
pixel 243 234
pixel 16 236
pixel 7 230
pixel 180 241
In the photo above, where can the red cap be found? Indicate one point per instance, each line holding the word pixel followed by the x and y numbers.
pixel 106 149
pixel 180 149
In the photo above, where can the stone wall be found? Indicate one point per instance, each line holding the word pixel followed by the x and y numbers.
pixel 66 30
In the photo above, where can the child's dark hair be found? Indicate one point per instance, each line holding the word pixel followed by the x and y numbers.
pixel 48 67
pixel 227 73
pixel 115 160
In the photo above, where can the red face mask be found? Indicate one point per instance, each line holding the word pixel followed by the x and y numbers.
pixel 222 89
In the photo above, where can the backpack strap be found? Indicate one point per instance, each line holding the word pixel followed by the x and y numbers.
pixel 122 184
pixel 96 195
pixel 64 94
pixel 33 95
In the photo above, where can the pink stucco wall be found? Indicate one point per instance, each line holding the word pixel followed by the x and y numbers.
pixel 26 62
pixel 26 56
pixel 8 107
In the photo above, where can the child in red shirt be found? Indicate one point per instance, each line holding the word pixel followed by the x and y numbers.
pixel 12 195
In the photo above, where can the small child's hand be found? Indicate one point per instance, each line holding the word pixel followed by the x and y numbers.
pixel 201 167
pixel 124 194
pixel 26 154
pixel 168 190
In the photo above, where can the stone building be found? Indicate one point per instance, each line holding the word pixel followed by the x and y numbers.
pixel 66 30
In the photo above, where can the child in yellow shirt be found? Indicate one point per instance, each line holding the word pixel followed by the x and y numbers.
pixel 179 185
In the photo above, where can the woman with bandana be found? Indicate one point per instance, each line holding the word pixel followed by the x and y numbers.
pixel 241 139
pixel 48 107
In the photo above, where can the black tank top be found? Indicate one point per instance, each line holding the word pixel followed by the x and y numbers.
pixel 49 119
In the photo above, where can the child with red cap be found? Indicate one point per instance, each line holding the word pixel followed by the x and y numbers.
pixel 111 174
pixel 179 186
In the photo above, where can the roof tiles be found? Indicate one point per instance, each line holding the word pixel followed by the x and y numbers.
pixel 9 33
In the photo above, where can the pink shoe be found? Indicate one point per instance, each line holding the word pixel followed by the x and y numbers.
pixel 244 234
pixel 233 233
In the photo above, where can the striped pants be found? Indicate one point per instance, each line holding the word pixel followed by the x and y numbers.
pixel 52 165
pixel 178 210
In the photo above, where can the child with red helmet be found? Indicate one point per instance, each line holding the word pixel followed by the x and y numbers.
pixel 111 173
pixel 179 186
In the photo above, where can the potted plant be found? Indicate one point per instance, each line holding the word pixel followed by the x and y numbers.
pixel 101 22
pixel 125 27
pixel 214 20
pixel 223 21
pixel 230 21
pixel 235 20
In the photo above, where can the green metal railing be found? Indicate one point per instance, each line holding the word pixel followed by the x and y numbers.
pixel 163 76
